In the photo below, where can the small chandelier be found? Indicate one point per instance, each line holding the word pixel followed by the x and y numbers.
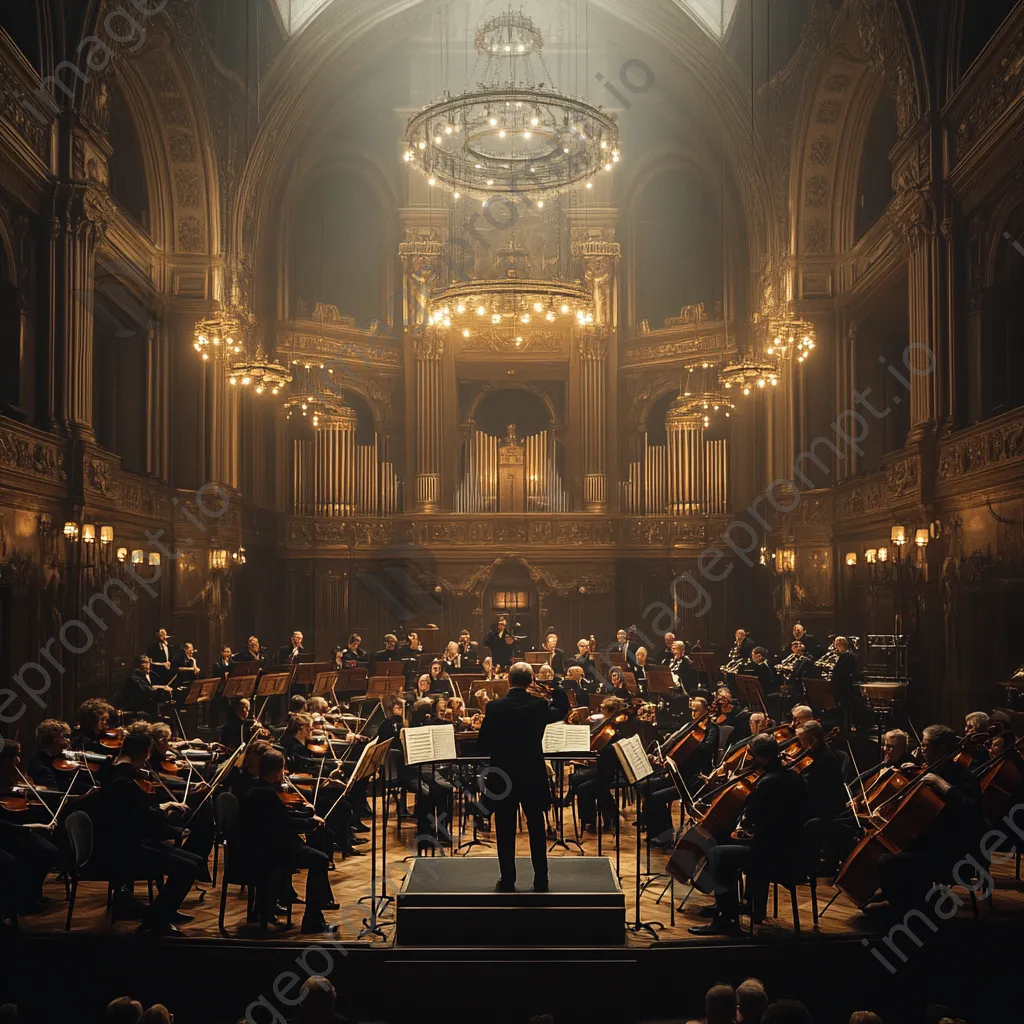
pixel 260 373
pixel 704 404
pixel 311 396
pixel 220 335
pixel 749 375
pixel 790 337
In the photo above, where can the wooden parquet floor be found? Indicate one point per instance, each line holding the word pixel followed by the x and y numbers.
pixel 673 906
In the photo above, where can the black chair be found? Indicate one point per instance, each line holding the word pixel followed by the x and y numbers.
pixel 724 736
pixel 238 871
pixel 81 832
pixel 804 871
pixel 844 763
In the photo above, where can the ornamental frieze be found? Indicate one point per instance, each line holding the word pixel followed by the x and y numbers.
pixel 22 453
pixel 985 449
pixel 1003 85
pixel 862 500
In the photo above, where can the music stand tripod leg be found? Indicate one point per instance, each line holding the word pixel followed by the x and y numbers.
pixel 371 926
pixel 639 925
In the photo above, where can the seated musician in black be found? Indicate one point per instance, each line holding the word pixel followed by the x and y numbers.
pixel 573 684
pixel 907 878
pixel 342 821
pixel 242 775
pixel 252 653
pixel 130 832
pixel 142 689
pixel 52 739
pixel 640 670
pixel 592 787
pixel 352 654
pixel 185 668
pixel 239 727
pixel 27 852
pixel 271 839
pixel 390 729
pixel 761 669
pixel 93 720
pixel 440 681
pixel 826 789
pixel 221 668
pixel 585 660
pixel 617 681
pixel 793 689
pixel 774 815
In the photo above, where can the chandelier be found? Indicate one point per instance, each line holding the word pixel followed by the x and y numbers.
pixel 790 336
pixel 312 396
pixel 515 135
pixel 220 335
pixel 259 372
pixel 703 404
pixel 749 375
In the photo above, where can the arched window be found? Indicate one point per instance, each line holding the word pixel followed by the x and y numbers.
pixel 678 247
pixel 341 217
pixel 127 169
pixel 874 179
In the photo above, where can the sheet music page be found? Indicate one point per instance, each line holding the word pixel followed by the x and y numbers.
pixel 631 750
pixel 554 738
pixel 444 742
pixel 418 744
pixel 577 738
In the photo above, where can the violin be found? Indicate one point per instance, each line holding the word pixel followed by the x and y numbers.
pixel 112 738
pixel 804 759
pixel 18 803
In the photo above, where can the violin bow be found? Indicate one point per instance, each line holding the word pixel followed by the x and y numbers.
pixel 860 779
pixel 219 777
pixel 64 800
pixel 319 776
pixel 288 782
pixel 35 792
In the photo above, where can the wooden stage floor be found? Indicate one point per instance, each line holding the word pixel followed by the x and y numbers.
pixel 351 883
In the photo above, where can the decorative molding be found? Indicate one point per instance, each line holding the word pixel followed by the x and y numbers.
pixel 985 448
pixel 1003 86
pixel 23 452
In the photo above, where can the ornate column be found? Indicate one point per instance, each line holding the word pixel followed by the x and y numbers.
pixel 77 224
pixel 422 260
pixel 600 263
pixel 429 349
pixel 593 352
pixel 923 363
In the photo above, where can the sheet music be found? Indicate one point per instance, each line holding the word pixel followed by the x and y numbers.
pixel 560 738
pixel 634 759
pixel 429 743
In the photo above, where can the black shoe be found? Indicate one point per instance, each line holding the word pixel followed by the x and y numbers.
pixel 719 926
pixel 333 905
pixel 540 885
pixel 179 918
pixel 157 928
pixel 296 898
pixel 566 801
pixel 353 852
pixel 504 886
pixel 358 840
pixel 360 827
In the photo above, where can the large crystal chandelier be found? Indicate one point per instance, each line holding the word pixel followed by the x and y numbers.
pixel 258 372
pixel 221 334
pixel 312 395
pixel 749 376
pixel 704 404
pixel 514 136
pixel 790 336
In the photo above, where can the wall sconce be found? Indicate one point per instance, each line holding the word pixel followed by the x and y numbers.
pixel 154 558
pixel 851 558
pixel 88 534
pixel 238 557
pixel 122 554
pixel 898 535
pixel 785 560
pixel 921 538
pixel 218 559
pixel 870 556
pixel 883 554
pixel 137 556
pixel 106 535
pixel 71 531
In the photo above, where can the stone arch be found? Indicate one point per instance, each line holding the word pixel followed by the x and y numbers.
pixel 538 392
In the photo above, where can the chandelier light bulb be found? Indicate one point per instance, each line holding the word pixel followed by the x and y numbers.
pixel 535 121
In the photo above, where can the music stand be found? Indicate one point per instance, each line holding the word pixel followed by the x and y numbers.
pixel 616 658
pixel 239 686
pixel 376 688
pixel 631 684
pixel 244 668
pixel 324 683
pixel 389 668
pixel 749 690
pixel 537 658
pixel 352 680
pixel 659 680
pixel 201 691
pixel 273 684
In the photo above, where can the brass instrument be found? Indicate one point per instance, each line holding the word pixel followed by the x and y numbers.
pixel 828 660
pixel 735 662
pixel 787 664
pixel 648 713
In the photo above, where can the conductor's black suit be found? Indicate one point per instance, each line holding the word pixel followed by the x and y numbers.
pixel 512 734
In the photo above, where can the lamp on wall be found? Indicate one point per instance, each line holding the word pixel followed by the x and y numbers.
pixel 921 537
pixel 898 535
pixel 851 558
pixel 785 560
pixel 871 556
pixel 218 559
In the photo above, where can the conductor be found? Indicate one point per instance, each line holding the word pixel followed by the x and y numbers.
pixel 511 734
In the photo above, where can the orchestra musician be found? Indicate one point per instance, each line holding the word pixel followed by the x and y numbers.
pixel 511 734
pixel 467 652
pixel 844 673
pixel 791 687
pixel 502 643
pixel 490 672
pixel 592 787
pixel 389 652
pixel 451 658
pixel 742 647
pixel 252 653
pixel 773 816
pixel 161 654
pixel 757 723
pixel 288 654
pixel 625 647
pixel 221 668
pixel 410 655
pixel 185 668
pixel 585 660
pixel 27 852
pixel 684 676
pixel 666 655
pixel 617 682
pixel 93 719
pixel 906 878
pixel 239 727
pixel 440 681
pixel 130 832
pixel 353 653
pixel 556 657
pixel 52 739
pixel 761 669
pixel 640 669
pixel 142 690
pixel 809 642
pixel 272 839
